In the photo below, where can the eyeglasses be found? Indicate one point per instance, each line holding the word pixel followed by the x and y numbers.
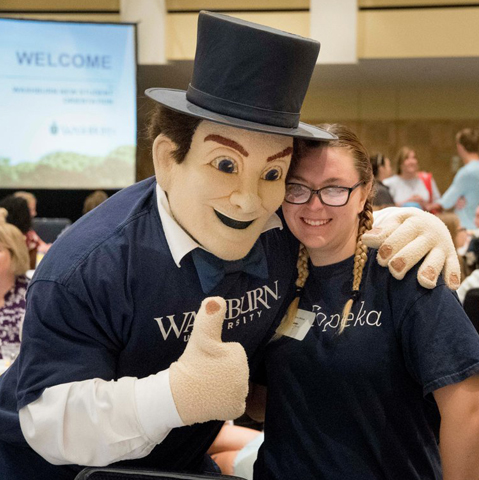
pixel 299 194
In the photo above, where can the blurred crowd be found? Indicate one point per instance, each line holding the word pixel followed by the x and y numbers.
pixel 402 183
pixel 20 251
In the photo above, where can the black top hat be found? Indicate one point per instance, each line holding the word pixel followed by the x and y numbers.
pixel 248 76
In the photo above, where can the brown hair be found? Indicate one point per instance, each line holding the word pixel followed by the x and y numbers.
pixel 452 222
pixel 28 196
pixel 18 212
pixel 348 140
pixel 93 200
pixel 469 139
pixel 377 160
pixel 178 127
pixel 401 156
pixel 14 241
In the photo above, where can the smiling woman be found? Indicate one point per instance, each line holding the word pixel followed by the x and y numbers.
pixel 327 191
pixel 411 187
pixel 362 375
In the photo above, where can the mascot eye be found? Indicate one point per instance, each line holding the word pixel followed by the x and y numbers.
pixel 225 165
pixel 272 174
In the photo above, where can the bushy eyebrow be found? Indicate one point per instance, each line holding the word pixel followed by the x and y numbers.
pixel 227 142
pixel 287 151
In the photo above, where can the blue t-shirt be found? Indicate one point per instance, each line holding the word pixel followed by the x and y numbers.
pixel 465 184
pixel 359 406
pixel 108 301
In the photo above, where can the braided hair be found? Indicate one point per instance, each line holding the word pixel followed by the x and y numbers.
pixel 360 259
pixel 348 140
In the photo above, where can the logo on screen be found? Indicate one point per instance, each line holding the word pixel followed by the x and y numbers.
pixel 86 130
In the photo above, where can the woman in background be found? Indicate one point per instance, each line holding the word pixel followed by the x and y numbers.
pixel 14 263
pixel 370 372
pixel 19 215
pixel 93 200
pixel 410 187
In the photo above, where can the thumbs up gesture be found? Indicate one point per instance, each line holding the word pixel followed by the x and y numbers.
pixel 210 380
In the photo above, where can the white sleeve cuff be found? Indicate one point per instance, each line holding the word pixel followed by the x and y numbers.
pixel 156 408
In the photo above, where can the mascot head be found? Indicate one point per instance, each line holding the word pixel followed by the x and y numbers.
pixel 222 149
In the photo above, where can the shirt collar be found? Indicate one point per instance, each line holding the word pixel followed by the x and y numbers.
pixel 179 242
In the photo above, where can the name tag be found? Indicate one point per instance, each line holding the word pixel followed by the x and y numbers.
pixel 301 325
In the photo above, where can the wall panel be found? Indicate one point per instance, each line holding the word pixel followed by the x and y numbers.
pixel 415 33
pixel 182 29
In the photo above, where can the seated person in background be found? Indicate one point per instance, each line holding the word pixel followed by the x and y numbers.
pixel 410 187
pixel 19 215
pixel 468 249
pixel 93 200
pixel 369 372
pixel 14 263
pixel 471 306
pixel 232 447
pixel 472 281
pixel 381 170
pixel 32 206
pixel 459 237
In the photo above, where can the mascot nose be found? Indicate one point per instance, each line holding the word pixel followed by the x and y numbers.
pixel 246 198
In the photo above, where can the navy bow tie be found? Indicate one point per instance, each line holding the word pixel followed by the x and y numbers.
pixel 212 270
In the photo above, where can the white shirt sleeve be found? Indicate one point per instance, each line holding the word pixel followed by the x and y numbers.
pixel 472 281
pixel 95 422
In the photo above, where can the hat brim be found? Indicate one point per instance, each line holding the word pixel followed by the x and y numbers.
pixel 176 100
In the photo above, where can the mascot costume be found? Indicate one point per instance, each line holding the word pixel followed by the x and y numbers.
pixel 111 369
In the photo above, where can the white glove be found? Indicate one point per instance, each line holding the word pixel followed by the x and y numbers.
pixel 406 236
pixel 210 380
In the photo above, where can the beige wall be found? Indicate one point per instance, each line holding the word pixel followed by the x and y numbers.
pixel 433 141
pixel 438 32
pixel 393 103
pixel 388 33
pixel 387 118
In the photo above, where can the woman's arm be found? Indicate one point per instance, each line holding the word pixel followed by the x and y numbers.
pixel 459 433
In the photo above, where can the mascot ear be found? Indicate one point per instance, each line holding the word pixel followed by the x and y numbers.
pixel 163 160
